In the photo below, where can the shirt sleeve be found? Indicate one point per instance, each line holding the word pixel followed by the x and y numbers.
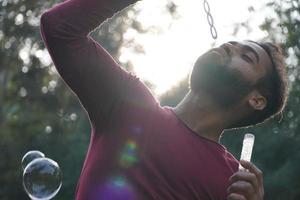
pixel 84 65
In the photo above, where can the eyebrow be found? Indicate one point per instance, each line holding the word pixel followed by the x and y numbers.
pixel 248 48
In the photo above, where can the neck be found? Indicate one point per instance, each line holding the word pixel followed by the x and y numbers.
pixel 200 113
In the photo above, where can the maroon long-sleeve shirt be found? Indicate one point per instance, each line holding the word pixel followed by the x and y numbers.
pixel 138 150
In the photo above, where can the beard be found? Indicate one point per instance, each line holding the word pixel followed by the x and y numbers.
pixel 212 75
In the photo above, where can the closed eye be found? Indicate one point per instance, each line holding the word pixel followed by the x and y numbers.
pixel 247 58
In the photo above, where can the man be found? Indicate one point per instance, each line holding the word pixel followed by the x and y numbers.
pixel 139 150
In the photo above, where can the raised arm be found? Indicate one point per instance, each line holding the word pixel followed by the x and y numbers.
pixel 77 18
pixel 84 65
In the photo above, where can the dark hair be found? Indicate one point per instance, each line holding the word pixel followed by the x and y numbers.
pixel 273 86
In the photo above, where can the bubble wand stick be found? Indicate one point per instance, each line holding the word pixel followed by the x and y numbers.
pixel 248 143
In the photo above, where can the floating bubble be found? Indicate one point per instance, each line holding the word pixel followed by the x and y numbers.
pixel 30 156
pixel 42 179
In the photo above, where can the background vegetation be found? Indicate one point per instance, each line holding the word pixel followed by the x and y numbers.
pixel 38 111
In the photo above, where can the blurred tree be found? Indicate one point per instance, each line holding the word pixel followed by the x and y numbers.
pixel 276 150
pixel 282 163
pixel 173 96
pixel 37 109
pixel 39 112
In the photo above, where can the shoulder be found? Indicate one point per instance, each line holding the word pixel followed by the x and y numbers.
pixel 138 94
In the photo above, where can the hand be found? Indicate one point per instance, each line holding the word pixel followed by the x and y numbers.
pixel 246 184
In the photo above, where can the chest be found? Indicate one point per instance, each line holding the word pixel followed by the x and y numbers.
pixel 186 167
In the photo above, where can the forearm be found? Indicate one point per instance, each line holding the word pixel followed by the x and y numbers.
pixel 80 17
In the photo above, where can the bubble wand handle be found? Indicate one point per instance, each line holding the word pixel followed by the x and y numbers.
pixel 248 143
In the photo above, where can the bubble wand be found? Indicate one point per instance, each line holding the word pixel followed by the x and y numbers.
pixel 248 143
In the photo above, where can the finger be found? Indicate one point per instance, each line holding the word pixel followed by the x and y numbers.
pixel 234 196
pixel 252 168
pixel 245 176
pixel 242 187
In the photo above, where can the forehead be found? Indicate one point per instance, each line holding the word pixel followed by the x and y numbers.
pixel 264 58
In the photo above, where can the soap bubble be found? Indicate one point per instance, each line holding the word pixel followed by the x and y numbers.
pixel 30 156
pixel 42 179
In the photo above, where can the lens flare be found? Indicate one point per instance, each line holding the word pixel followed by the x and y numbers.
pixel 137 129
pixel 116 188
pixel 128 155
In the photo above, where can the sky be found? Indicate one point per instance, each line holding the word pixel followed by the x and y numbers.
pixel 170 53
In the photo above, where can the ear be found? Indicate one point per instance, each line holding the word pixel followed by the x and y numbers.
pixel 257 101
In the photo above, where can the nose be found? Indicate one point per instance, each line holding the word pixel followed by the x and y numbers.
pixel 229 48
pixel 234 45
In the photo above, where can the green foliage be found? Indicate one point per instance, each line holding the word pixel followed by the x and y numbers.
pixel 174 95
pixel 276 149
pixel 36 106
pixel 38 110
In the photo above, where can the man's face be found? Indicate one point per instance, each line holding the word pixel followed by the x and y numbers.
pixel 229 72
